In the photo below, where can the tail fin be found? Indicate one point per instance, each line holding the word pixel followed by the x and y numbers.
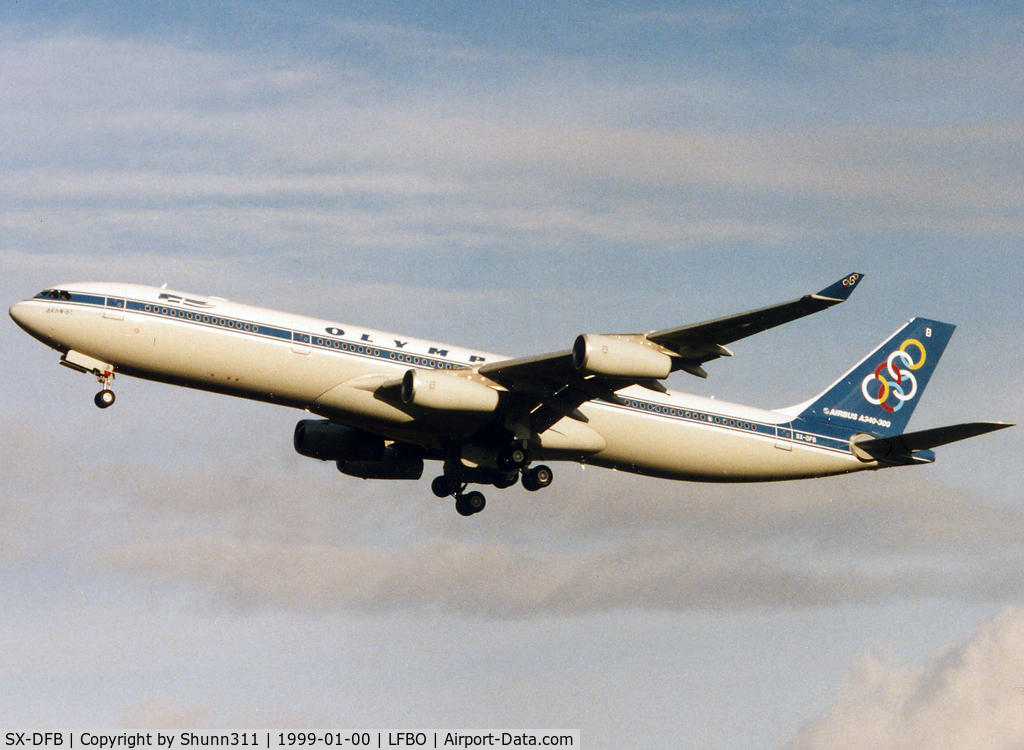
pixel 879 394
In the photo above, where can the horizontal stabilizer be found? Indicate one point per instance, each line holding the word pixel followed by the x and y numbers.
pixel 868 448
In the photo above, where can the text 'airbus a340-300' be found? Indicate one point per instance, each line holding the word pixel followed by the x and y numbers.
pixel 387 403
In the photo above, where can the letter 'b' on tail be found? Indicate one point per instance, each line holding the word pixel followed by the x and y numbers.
pixel 879 394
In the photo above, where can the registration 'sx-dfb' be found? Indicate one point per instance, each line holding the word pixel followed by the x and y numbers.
pixel 388 403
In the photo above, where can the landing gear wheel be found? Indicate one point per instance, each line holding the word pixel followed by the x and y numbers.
pixel 513 458
pixel 470 503
pixel 442 486
pixel 507 480
pixel 104 398
pixel 537 478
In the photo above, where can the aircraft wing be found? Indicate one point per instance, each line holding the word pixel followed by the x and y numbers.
pixel 558 382
pixel 701 342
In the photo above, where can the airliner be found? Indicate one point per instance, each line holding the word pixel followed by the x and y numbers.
pixel 385 403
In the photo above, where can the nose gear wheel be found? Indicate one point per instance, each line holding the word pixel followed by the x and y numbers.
pixel 104 398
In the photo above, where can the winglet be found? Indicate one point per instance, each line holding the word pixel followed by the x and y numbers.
pixel 842 289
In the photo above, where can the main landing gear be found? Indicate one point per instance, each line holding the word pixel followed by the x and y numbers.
pixel 469 503
pixel 537 478
pixel 466 503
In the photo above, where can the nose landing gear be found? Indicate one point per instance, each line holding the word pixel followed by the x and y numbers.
pixel 104 374
pixel 104 398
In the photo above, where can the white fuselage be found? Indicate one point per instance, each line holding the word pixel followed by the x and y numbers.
pixel 335 370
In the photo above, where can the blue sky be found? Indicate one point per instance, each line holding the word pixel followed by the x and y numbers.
pixel 506 180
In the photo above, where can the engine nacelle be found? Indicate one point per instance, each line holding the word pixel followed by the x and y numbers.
pixel 392 465
pixel 322 439
pixel 436 389
pixel 619 358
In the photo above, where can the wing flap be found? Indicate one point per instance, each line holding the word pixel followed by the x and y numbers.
pixel 513 373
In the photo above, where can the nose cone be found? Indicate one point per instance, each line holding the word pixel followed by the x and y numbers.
pixel 29 317
pixel 20 314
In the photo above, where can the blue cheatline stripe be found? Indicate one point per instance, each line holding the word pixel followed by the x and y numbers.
pixel 799 435
pixel 206 318
pixel 803 432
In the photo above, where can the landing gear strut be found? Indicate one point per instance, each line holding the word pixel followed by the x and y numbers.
pixel 85 364
pixel 104 398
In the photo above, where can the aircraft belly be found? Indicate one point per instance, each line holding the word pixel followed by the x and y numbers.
pixel 676 449
pixel 243 365
pixel 214 360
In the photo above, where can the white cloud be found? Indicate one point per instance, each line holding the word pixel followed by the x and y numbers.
pixel 971 696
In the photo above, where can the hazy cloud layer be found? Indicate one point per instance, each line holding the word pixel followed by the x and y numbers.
pixel 218 149
pixel 600 543
pixel 496 580
pixel 241 517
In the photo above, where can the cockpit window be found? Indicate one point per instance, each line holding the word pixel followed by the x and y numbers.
pixel 54 294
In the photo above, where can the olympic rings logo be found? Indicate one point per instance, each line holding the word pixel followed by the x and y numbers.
pixel 893 380
pixel 851 279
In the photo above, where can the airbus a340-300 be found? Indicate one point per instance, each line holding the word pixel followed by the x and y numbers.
pixel 387 403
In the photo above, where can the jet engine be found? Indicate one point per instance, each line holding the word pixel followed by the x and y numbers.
pixel 435 389
pixel 394 464
pixel 616 357
pixel 327 441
